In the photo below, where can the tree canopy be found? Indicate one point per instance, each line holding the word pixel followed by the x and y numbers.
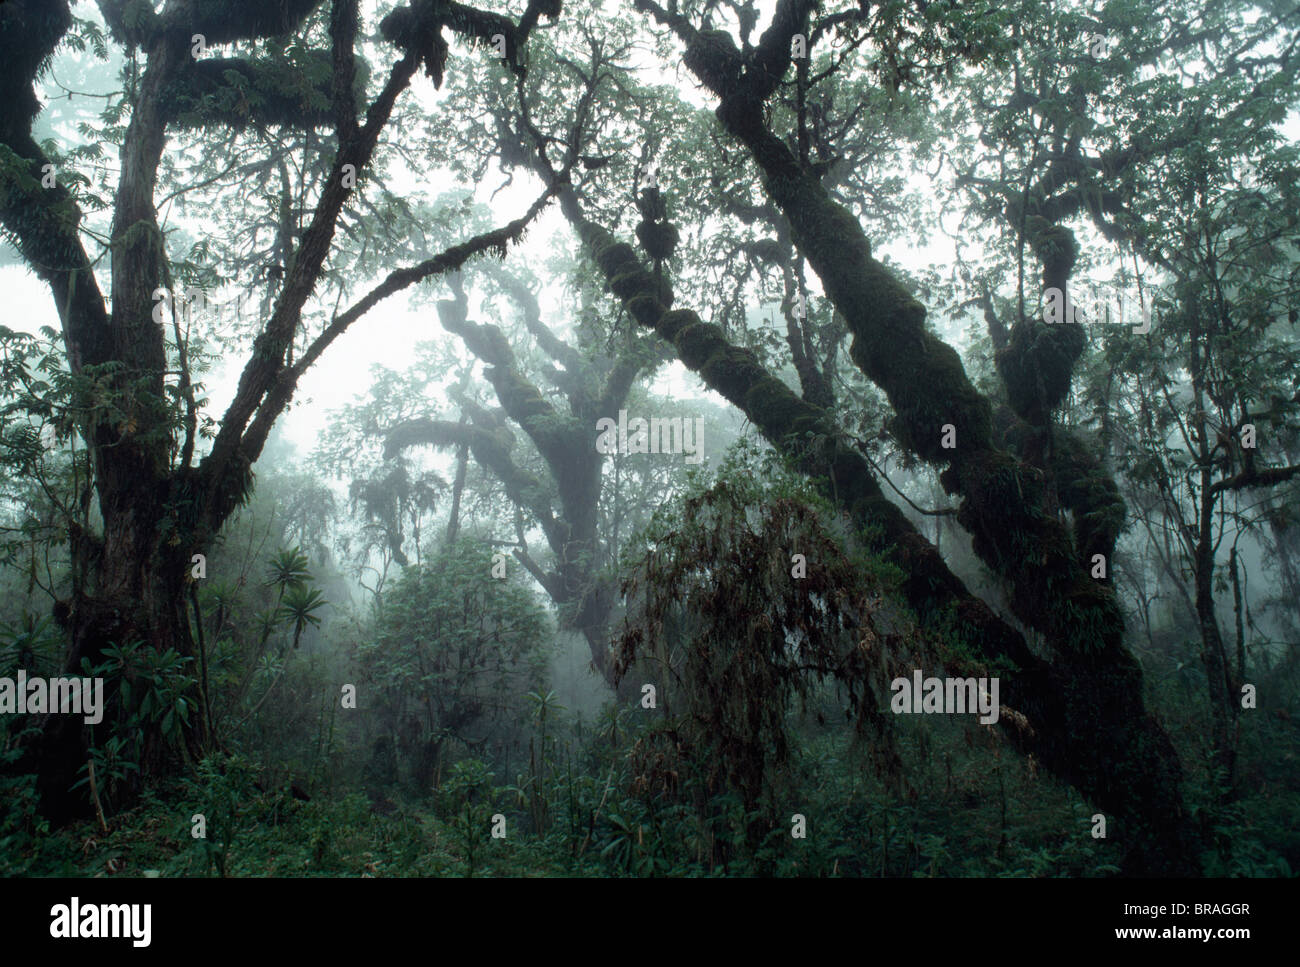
pixel 936 335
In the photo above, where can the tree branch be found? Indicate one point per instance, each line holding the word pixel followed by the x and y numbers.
pixel 1269 477
pixel 279 395
pixel 491 448
pixel 264 368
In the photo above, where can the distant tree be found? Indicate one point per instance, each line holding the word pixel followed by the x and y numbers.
pixel 454 653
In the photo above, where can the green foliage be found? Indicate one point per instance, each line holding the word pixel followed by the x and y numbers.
pixel 155 688
pixel 750 601
pixel 1168 150
pixel 470 797
pixel 22 828
pixel 453 655
pixel 156 697
pixel 300 607
pixel 222 793
pixel 288 570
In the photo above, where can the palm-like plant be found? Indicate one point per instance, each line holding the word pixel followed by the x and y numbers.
pixel 295 602
pixel 222 598
pixel 300 606
pixel 36 644
pixel 287 572
pixel 288 569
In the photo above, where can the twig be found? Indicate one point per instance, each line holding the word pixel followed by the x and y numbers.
pixel 94 793
pixel 596 814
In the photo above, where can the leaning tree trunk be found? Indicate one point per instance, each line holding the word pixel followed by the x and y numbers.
pixel 1094 683
pixel 1080 715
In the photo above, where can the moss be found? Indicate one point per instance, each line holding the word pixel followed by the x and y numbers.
pixel 728 369
pixel 696 343
pixel 1037 366
pixel 614 257
pixel 671 323
pixel 644 307
pixel 935 394
pixel 923 378
pixel 713 58
pixel 772 405
pixel 631 282
pixel 658 239
pixel 235 92
pixel 1055 247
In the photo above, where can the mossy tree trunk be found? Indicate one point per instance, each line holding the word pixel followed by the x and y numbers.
pixel 578 583
pixel 158 512
pixel 1080 719
pixel 1007 505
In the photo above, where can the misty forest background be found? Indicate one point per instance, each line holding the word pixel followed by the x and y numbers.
pixel 311 310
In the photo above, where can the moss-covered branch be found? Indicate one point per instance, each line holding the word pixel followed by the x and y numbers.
pixel 1084 721
pixel 491 446
pixel 262 374
pixel 418 27
pixel 235 92
pixel 564 443
pixel 1005 503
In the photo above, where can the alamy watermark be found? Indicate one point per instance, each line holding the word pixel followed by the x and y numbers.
pixel 954 696
pixel 33 696
pixel 656 435
pixel 1096 305
pixel 77 920
pixel 191 302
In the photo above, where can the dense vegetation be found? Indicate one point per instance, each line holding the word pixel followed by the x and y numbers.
pixel 739 360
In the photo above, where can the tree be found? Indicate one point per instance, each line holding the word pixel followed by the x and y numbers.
pixel 455 651
pixel 1107 130
pixel 1090 153
pixel 591 386
pixel 161 501
pixel 735 641
pixel 1007 499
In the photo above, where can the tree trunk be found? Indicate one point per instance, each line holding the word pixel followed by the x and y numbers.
pixel 1218 675
pixel 458 487
pixel 138 593
pixel 1081 715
